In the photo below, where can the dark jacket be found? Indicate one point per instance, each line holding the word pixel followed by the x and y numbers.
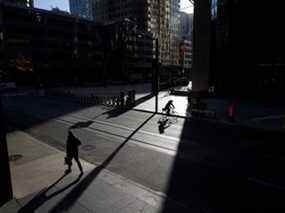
pixel 72 144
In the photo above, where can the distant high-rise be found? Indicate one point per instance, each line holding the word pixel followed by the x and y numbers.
pixel 174 25
pixel 186 23
pixel 159 18
pixel 82 8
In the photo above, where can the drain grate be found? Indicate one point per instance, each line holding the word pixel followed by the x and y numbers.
pixel 15 157
pixel 87 147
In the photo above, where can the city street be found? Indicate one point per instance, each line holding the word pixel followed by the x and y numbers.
pixel 201 165
pixel 142 106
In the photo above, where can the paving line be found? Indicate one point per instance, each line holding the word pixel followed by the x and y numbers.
pixel 268 117
pixel 265 183
pixel 107 135
pixel 128 128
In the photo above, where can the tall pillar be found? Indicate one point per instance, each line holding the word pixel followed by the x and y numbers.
pixel 6 193
pixel 201 45
pixel 5 178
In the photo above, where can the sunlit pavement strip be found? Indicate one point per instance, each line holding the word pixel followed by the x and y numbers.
pixel 154 145
pixel 122 127
pixel 144 138
pixel 180 103
pixel 150 140
pixel 108 191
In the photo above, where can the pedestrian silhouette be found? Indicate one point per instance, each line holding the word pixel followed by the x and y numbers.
pixel 169 105
pixel 162 125
pixel 72 144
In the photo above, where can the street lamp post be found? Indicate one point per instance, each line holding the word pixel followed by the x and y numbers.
pixel 156 75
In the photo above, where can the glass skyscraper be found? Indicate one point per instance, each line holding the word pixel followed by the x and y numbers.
pixel 82 8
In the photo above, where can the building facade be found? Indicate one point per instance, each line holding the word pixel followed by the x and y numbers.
pixel 186 26
pixel 130 51
pixel 116 10
pixel 160 18
pixel 174 28
pixel 47 47
pixel 186 56
pixel 52 47
pixel 82 8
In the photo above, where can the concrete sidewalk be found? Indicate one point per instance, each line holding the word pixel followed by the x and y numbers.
pixel 39 184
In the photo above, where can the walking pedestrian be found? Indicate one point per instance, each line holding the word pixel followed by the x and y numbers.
pixel 72 144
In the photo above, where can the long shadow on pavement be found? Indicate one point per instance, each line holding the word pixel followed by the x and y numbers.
pixel 28 111
pixel 69 200
pixel 25 112
pixel 215 176
pixel 42 196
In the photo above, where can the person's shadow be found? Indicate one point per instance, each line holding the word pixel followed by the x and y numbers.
pixel 162 125
pixel 82 124
pixel 42 196
pixel 115 112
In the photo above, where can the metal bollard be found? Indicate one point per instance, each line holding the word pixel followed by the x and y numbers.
pixel 117 101
pixel 113 101
pixel 133 97
pixel 104 100
pixel 92 98
pixel 129 99
pixel 122 100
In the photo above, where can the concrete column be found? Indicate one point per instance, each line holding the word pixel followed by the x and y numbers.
pixel 201 46
pixel 6 193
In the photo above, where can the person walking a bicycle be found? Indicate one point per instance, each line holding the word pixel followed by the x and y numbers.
pixel 169 106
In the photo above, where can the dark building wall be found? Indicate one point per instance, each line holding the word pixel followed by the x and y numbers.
pixel 130 51
pixel 5 179
pixel 63 49
pixel 60 48
pixel 22 3
pixel 248 48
